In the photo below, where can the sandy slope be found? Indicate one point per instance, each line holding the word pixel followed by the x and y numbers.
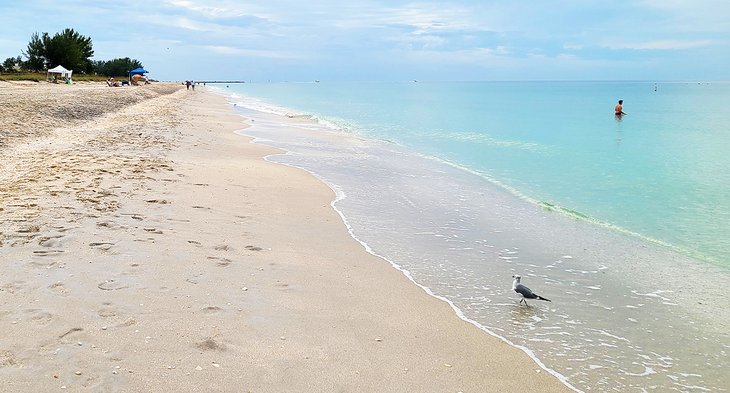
pixel 145 247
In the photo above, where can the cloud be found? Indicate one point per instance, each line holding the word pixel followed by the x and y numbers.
pixel 573 46
pixel 662 45
pixel 474 56
pixel 692 15
pixel 357 39
pixel 220 10
pixel 415 26
pixel 233 51
pixel 192 6
pixel 188 24
pixel 416 18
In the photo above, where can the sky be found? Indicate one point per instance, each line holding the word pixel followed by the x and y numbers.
pixel 352 40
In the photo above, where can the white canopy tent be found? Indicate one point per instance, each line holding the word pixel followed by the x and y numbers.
pixel 60 70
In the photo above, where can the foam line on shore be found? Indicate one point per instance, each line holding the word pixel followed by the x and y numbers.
pixel 339 196
pixel 340 125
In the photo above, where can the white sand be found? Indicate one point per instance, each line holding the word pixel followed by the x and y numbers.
pixel 148 248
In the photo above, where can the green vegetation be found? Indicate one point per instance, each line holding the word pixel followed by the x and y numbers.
pixel 116 67
pixel 69 49
pixel 35 77
pixel 41 76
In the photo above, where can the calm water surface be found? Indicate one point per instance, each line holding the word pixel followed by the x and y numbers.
pixel 622 223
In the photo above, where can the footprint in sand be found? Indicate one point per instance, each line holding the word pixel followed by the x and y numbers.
pixel 109 224
pixel 158 201
pixel 211 309
pixel 253 248
pixel 49 242
pixel 222 262
pixel 135 216
pixel 39 316
pixel 46 263
pixel 30 229
pixel 7 359
pixel 111 285
pixel 71 332
pixel 223 247
pixel 210 344
pixel 45 253
pixel 104 246
pixel 107 312
pixel 195 279
pixel 13 287
pixel 59 288
pixel 128 322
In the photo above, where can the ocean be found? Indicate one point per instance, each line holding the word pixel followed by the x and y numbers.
pixel 622 222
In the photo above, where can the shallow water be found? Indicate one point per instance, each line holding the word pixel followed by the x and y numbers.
pixel 626 314
pixel 661 172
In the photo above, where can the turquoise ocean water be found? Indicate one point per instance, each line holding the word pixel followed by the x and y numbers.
pixel 623 223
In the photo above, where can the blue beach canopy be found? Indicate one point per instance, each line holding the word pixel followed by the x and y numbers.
pixel 138 71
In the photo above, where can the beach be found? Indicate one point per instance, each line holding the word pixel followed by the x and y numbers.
pixel 460 199
pixel 146 246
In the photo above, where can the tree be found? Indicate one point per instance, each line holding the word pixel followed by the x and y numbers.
pixel 13 64
pixel 67 48
pixel 71 50
pixel 36 52
pixel 116 67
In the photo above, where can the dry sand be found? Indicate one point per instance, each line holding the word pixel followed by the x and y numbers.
pixel 145 247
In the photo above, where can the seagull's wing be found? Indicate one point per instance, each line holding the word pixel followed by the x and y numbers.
pixel 525 292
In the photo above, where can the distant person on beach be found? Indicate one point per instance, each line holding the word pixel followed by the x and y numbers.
pixel 187 85
pixel 619 109
pixel 192 83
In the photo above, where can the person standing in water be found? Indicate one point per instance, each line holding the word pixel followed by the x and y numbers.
pixel 619 108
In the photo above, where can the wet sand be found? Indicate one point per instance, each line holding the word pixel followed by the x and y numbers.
pixel 146 247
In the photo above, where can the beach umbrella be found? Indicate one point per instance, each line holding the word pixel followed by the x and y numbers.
pixel 137 71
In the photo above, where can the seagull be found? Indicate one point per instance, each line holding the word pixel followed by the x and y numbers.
pixel 524 291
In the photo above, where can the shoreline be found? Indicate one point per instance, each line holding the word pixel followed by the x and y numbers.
pixel 536 191
pixel 406 273
pixel 164 253
pixel 603 264
pixel 456 310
